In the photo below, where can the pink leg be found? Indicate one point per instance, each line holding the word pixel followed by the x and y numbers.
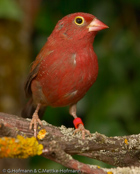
pixel 35 120
pixel 72 111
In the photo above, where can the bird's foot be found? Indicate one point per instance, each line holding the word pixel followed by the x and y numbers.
pixel 82 129
pixel 35 120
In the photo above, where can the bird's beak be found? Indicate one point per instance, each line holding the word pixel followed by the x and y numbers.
pixel 96 25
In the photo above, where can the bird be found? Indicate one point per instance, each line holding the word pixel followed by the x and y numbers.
pixel 65 69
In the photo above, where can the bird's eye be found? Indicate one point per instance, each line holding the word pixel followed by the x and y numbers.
pixel 79 20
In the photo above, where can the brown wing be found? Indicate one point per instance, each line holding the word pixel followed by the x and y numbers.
pixel 35 68
pixel 33 73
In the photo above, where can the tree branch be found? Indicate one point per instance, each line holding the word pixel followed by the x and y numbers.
pixel 59 144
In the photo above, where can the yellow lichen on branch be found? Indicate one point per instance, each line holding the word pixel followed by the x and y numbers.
pixel 19 147
pixel 41 134
pixel 126 141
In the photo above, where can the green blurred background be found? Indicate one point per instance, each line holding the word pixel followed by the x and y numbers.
pixel 112 105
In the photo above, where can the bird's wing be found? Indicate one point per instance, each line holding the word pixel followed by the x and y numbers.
pixel 33 73
pixel 45 52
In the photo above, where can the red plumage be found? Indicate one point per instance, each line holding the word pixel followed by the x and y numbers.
pixel 67 66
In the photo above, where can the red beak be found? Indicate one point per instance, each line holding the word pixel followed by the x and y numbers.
pixel 97 25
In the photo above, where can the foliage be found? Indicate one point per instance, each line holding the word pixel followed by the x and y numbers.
pixel 10 10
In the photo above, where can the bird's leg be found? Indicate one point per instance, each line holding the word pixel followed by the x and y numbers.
pixel 78 122
pixel 35 119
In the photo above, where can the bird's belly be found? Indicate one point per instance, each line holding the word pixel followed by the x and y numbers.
pixel 69 88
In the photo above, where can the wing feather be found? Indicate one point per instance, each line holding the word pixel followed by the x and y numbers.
pixel 33 73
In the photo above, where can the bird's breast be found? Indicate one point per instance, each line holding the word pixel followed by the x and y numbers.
pixel 66 77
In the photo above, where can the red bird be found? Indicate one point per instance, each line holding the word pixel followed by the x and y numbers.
pixel 65 68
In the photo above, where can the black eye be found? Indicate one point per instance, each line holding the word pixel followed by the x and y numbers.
pixel 79 20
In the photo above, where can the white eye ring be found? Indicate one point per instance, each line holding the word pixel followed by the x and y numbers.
pixel 79 20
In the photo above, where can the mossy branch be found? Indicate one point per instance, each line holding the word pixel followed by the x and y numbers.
pixel 59 144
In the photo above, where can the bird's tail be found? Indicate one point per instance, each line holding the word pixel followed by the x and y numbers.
pixel 29 109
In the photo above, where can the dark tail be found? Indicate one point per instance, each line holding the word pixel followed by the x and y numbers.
pixel 29 109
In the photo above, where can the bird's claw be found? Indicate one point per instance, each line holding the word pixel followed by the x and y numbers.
pixel 82 129
pixel 34 121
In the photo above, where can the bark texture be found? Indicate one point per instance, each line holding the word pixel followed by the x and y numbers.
pixel 59 145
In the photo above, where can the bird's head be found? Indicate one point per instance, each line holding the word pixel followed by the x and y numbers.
pixel 77 26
